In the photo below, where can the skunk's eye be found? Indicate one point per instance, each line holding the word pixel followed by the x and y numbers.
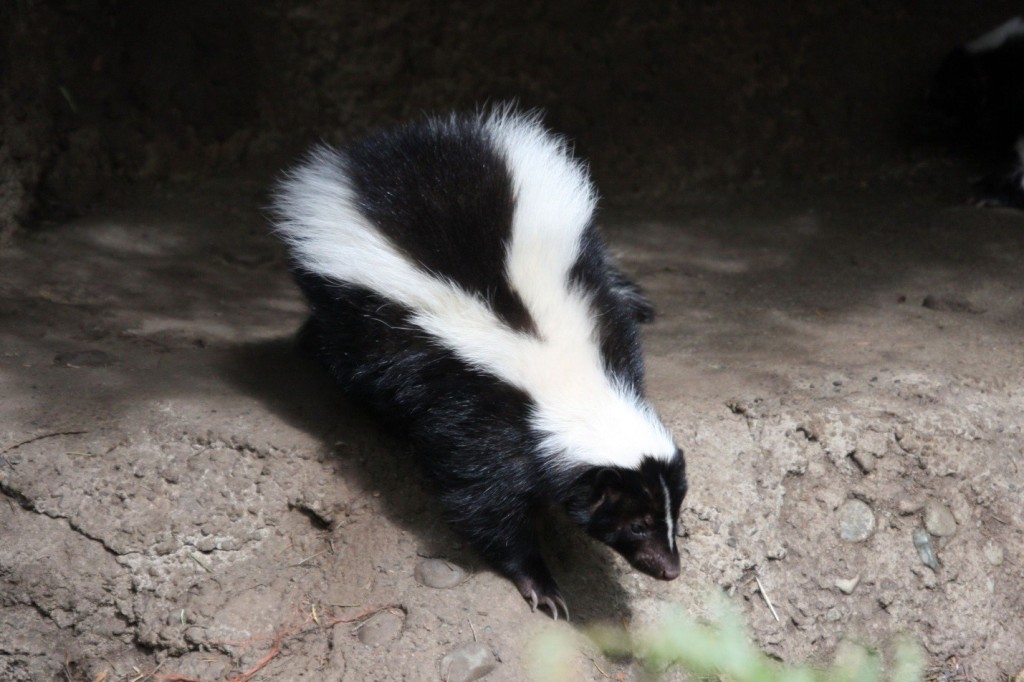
pixel 638 529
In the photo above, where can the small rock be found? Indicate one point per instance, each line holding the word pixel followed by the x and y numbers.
pixel 848 586
pixel 833 615
pixel 206 544
pixel 907 506
pixel 924 549
pixel 856 521
pixel 380 628
pixel 84 358
pixel 865 461
pixel 469 662
pixel 938 520
pixel 439 574
pixel 994 554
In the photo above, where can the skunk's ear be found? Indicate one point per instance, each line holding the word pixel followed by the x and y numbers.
pixel 607 487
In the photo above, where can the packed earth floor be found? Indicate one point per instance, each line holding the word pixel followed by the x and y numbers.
pixel 184 495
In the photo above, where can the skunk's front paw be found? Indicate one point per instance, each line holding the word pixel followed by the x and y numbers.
pixel 543 595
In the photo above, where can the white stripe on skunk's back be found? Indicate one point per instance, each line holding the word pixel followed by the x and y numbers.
pixel 586 416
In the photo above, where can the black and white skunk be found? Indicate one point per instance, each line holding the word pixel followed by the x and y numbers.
pixel 977 102
pixel 459 286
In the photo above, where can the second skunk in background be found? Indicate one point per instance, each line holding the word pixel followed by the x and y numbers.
pixel 976 102
pixel 459 286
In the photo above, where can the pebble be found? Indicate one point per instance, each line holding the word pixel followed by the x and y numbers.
pixel 848 586
pixel 938 520
pixel 924 549
pixel 84 358
pixel 380 628
pixel 994 554
pixel 856 521
pixel 470 661
pixel 887 593
pixel 907 506
pixel 439 574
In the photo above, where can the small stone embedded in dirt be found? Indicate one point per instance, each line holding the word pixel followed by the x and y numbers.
pixel 886 597
pixel 439 573
pixel 924 549
pixel 907 506
pixel 380 628
pixel 938 520
pixel 206 544
pixel 994 553
pixel 847 586
pixel 470 661
pixel 84 358
pixel 856 521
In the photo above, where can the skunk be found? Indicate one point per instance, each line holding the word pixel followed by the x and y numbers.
pixel 458 286
pixel 977 101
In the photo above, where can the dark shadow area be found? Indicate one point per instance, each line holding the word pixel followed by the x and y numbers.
pixel 660 97
pixel 295 388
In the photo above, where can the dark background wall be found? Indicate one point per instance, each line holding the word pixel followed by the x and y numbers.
pixel 661 97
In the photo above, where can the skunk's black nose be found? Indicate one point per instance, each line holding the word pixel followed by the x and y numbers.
pixel 670 572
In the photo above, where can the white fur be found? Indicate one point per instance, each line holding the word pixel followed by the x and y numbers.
pixel 995 38
pixel 584 415
pixel 669 521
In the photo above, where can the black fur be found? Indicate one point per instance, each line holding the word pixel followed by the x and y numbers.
pixel 618 305
pixel 440 191
pixel 441 194
pixel 976 104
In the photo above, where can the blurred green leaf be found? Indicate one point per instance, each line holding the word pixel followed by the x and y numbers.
pixel 720 650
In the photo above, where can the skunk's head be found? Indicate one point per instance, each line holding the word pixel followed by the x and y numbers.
pixel 635 511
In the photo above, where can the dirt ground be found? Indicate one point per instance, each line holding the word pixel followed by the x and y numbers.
pixel 185 495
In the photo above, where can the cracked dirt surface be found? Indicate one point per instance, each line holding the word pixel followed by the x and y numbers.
pixel 181 493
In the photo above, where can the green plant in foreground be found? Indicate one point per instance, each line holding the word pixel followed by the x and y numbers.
pixel 720 650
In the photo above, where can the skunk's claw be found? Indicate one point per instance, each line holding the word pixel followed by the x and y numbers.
pixel 544 595
pixel 556 605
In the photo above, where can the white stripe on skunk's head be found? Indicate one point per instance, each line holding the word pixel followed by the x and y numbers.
pixel 583 415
